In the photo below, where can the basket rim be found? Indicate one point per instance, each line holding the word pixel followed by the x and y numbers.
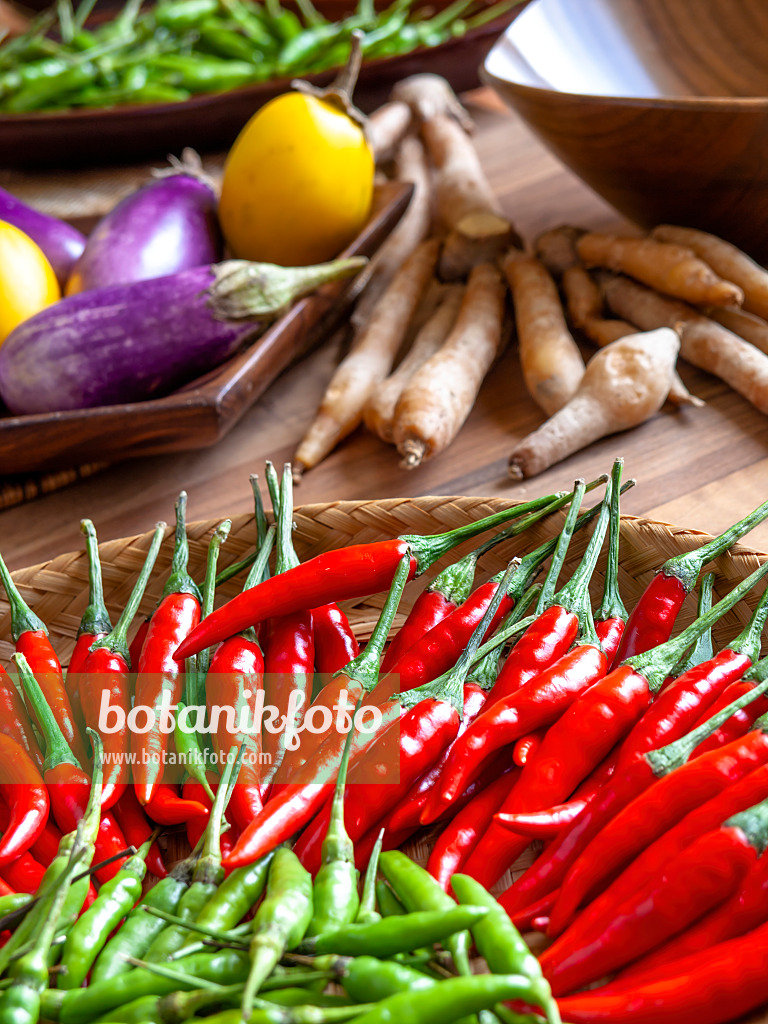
pixel 311 510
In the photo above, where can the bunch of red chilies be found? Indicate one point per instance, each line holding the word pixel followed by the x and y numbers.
pixel 639 761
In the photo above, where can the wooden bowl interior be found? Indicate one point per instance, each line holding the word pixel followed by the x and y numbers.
pixel 639 48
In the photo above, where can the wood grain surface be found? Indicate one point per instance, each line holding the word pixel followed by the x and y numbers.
pixel 696 468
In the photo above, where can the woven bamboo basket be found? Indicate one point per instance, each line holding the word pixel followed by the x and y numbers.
pixel 58 589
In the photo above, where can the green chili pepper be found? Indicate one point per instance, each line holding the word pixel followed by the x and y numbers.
pixel 501 944
pixel 253 26
pixel 266 1014
pixel 12 902
pixel 83 837
pixel 140 1011
pixel 208 74
pixel 448 1001
pixel 236 896
pixel 388 903
pixel 140 928
pixel 182 15
pixel 367 912
pixel 335 896
pixel 207 874
pixel 304 997
pixel 418 890
pixel 284 24
pixel 223 41
pixel 21 1002
pixel 90 932
pixel 367 979
pixel 37 96
pixel 79 1006
pixel 394 935
pixel 281 920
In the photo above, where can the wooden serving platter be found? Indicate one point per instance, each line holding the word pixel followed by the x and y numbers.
pixel 205 410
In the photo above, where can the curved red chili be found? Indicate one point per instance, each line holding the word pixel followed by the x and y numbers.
pixel 159 674
pixel 168 807
pixel 24 874
pixel 352 572
pixel 654 616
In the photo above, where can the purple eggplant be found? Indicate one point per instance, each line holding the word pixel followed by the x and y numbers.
pixel 136 341
pixel 166 226
pixel 60 242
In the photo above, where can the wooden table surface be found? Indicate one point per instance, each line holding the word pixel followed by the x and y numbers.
pixel 699 468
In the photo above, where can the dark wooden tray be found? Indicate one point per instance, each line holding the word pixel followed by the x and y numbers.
pixel 205 410
pixel 131 133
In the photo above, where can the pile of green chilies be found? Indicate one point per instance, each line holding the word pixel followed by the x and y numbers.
pixel 656 862
pixel 180 48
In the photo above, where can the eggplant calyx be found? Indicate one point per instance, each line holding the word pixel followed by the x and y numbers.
pixel 242 290
pixel 339 93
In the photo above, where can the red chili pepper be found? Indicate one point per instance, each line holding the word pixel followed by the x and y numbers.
pixel 105 684
pixel 710 987
pixel 137 830
pixel 160 675
pixel 428 727
pixel 335 643
pixel 406 750
pixel 603 716
pixel 136 645
pixel 25 794
pixel 549 691
pixel 68 785
pixel 5 890
pixel 31 638
pixel 94 624
pixel 46 846
pixel 742 721
pixel 14 721
pixel 406 812
pixel 168 807
pixel 527 746
pixel 194 792
pixel 455 844
pixel 745 910
pixel 235 680
pixel 290 649
pixel 654 616
pixel 356 571
pixel 542 824
pixel 23 874
pixel 704 875
pixel 680 705
pixel 293 805
pixel 524 918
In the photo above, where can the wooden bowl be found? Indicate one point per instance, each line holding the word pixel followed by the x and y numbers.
pixel 82 137
pixel 661 106
pixel 205 410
